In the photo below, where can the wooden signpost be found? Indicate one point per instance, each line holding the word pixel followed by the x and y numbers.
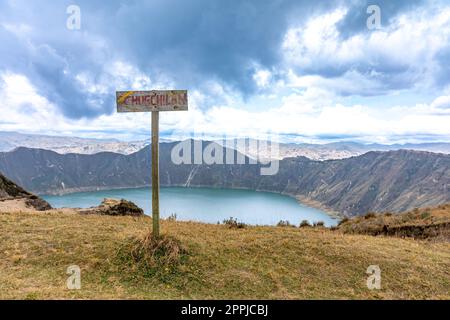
pixel 153 101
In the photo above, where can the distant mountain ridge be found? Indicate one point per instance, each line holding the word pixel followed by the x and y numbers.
pixel 376 181
pixel 335 150
pixel 61 144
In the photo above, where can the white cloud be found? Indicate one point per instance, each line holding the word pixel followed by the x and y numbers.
pixel 304 45
pixel 262 78
pixel 400 55
pixel 442 102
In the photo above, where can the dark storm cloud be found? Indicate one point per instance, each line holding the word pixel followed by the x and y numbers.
pixel 187 42
pixel 50 55
pixel 194 40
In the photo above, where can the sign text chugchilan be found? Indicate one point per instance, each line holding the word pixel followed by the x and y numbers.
pixel 155 100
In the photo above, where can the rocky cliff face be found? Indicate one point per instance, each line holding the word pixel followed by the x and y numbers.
pixel 10 191
pixel 376 181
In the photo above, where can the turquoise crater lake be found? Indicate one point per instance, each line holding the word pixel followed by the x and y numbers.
pixel 206 204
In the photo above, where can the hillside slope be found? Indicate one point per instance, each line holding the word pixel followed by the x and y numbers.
pixel 425 223
pixel 249 263
pixel 376 181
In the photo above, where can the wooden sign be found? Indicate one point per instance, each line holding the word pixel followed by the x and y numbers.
pixel 154 100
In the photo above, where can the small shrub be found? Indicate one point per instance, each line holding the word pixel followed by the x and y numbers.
pixel 425 215
pixel 164 258
pixel 284 223
pixel 407 217
pixel 388 214
pixel 172 217
pixel 164 250
pixel 370 215
pixel 305 223
pixel 318 224
pixel 232 223
pixel 344 220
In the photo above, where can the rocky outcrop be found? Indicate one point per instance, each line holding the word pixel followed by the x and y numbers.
pixel 114 207
pixel 11 191
pixel 37 203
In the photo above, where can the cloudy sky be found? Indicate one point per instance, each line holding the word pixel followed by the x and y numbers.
pixel 305 70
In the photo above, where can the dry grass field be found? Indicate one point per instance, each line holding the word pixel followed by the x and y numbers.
pixel 218 262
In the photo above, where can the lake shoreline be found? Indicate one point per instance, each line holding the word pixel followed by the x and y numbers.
pixel 318 205
pixel 302 200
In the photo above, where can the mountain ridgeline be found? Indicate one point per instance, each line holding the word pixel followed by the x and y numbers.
pixel 376 181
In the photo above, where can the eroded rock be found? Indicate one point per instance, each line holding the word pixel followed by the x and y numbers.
pixel 11 191
pixel 115 207
pixel 37 203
